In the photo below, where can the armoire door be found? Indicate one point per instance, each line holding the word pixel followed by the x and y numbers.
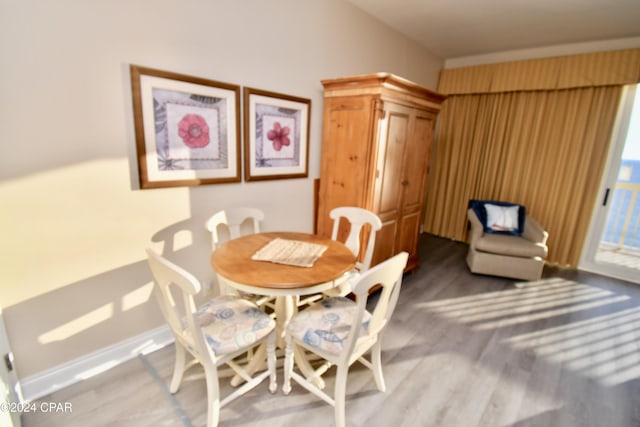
pixel 414 179
pixel 345 158
pixel 390 172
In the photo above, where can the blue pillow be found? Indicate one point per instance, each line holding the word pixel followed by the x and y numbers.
pixel 478 207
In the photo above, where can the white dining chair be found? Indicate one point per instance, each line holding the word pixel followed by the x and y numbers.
pixel 234 219
pixel 358 218
pixel 219 331
pixel 342 331
pixel 238 222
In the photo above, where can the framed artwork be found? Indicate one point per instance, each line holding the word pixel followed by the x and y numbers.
pixel 276 135
pixel 187 129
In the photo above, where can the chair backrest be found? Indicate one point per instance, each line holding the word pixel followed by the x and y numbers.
pixel 233 219
pixel 169 278
pixel 357 217
pixel 388 275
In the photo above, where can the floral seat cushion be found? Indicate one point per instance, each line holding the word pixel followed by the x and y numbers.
pixel 325 325
pixel 230 323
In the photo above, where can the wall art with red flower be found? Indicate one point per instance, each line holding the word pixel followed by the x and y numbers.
pixel 186 129
pixel 276 135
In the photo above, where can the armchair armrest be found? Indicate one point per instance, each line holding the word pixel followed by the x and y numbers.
pixel 476 227
pixel 534 231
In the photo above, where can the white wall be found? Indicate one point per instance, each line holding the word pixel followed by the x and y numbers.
pixel 73 223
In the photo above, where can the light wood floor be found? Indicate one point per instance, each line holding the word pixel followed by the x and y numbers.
pixel 461 351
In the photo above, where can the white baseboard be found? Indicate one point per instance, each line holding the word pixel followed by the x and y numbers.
pixel 58 377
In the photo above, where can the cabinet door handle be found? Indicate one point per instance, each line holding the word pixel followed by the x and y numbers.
pixel 405 183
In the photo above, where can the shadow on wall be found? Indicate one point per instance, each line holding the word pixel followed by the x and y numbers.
pixel 91 314
pixel 178 246
pixel 76 277
pixel 81 316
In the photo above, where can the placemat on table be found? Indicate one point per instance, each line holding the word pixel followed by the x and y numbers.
pixel 290 252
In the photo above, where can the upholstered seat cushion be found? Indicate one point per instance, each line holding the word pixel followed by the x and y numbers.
pixel 504 244
pixel 230 323
pixel 325 325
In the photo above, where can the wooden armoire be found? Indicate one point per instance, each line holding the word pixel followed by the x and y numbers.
pixel 377 137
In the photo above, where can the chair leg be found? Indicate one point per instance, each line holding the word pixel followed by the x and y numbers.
pixel 271 362
pixel 178 368
pixel 339 397
pixel 288 365
pixel 376 360
pixel 256 362
pixel 213 396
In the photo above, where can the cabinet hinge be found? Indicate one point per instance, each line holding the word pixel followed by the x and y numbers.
pixel 379 106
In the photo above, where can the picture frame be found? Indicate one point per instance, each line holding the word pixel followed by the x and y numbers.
pixel 276 135
pixel 187 129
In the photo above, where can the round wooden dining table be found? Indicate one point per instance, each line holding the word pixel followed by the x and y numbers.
pixel 233 262
pixel 235 267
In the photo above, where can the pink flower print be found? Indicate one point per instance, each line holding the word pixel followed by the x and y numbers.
pixel 194 131
pixel 279 136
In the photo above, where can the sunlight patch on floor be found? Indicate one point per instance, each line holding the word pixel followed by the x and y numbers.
pixel 604 346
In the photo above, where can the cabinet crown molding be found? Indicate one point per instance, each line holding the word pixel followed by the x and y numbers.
pixel 384 85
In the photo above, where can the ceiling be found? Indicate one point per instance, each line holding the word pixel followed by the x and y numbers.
pixel 457 28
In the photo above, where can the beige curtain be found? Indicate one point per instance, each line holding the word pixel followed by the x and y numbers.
pixel 543 149
pixel 534 132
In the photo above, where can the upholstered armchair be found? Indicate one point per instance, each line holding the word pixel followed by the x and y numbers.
pixel 500 247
